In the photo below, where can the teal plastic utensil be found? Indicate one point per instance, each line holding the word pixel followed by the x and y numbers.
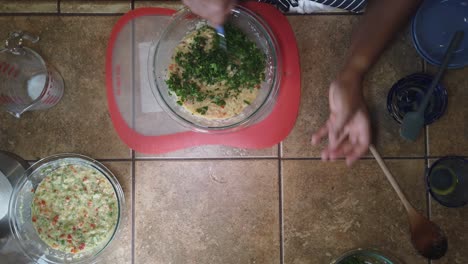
pixel 414 121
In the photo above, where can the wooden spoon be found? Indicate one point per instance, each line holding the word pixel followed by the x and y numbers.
pixel 427 237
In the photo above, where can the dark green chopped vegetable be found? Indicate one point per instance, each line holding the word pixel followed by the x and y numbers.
pixel 247 102
pixel 202 110
pixel 240 67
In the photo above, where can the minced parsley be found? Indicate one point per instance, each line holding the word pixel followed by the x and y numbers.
pixel 241 67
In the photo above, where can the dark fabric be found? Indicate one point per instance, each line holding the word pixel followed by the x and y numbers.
pixel 350 5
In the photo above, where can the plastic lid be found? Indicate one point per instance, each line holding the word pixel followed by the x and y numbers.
pixel 434 25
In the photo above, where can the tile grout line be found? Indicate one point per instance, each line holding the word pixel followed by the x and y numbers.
pixel 426 160
pixel 206 159
pixel 133 208
pixel 426 168
pixel 280 200
pixel 53 14
pixel 426 154
pixel 132 4
pixel 245 158
pixel 59 11
pixel 133 151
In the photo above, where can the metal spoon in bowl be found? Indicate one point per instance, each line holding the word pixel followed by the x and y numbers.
pixel 427 237
pixel 222 37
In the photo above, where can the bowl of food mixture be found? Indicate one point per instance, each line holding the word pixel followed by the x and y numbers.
pixel 66 208
pixel 210 89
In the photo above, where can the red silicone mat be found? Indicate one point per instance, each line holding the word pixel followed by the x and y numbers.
pixel 124 89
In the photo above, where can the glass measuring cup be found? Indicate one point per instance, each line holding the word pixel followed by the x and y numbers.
pixel 27 83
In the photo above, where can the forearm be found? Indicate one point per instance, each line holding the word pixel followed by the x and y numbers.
pixel 382 20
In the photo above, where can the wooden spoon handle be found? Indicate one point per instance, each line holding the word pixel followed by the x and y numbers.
pixel 409 208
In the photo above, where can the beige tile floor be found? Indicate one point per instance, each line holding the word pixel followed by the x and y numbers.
pixel 224 205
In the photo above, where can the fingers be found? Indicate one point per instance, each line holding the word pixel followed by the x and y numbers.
pixel 336 138
pixel 218 18
pixel 354 145
pixel 215 12
pixel 318 136
pixel 361 147
pixel 356 153
pixel 343 150
pixel 351 152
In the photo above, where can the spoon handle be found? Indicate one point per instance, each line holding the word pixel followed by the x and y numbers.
pixel 409 208
pixel 454 43
pixel 222 37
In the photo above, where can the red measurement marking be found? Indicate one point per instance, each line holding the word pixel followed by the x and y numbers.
pixel 51 100
pixel 6 99
pixel 6 67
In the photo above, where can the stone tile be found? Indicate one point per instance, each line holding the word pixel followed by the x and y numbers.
pixel 322 43
pixel 40 6
pixel 121 249
pixel 171 4
pixel 88 6
pixel 329 209
pixel 207 212
pixel 453 222
pixel 455 118
pixel 80 123
pixel 217 151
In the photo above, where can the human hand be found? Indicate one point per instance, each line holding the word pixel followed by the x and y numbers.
pixel 348 127
pixel 215 11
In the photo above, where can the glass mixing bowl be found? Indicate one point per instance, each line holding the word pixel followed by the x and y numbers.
pixel 21 225
pixel 364 256
pixel 256 30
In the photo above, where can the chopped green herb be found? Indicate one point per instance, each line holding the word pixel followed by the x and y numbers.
pixel 206 64
pixel 202 110
pixel 247 102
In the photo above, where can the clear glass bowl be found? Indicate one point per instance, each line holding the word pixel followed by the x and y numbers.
pixel 21 225
pixel 364 256
pixel 256 30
